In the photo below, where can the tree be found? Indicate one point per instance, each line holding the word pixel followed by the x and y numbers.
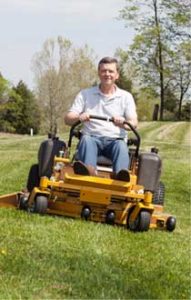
pixel 181 74
pixel 5 92
pixel 61 70
pixel 160 27
pixel 18 110
pixel 145 104
pixel 10 113
pixel 4 89
pixel 29 110
pixel 125 75
pixel 186 111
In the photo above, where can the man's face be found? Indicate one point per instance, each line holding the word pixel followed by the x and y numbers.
pixel 108 73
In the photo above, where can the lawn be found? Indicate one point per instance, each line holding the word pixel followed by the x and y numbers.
pixel 46 257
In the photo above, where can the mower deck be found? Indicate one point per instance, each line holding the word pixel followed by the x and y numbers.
pixel 10 200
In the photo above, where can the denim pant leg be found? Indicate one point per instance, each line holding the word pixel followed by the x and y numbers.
pixel 88 150
pixel 117 151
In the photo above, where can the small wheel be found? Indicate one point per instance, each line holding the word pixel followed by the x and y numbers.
pixel 86 213
pixel 159 194
pixel 141 223
pixel 23 202
pixel 110 217
pixel 41 204
pixel 171 223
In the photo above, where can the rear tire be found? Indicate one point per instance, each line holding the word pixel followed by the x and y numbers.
pixel 33 178
pixel 41 204
pixel 159 194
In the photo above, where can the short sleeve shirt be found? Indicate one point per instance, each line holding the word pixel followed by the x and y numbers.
pixel 93 101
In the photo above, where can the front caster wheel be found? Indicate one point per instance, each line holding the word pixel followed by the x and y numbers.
pixel 41 204
pixel 141 223
pixel 23 202
pixel 171 223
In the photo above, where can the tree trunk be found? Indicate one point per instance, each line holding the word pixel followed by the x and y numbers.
pixel 160 58
pixel 155 112
pixel 180 107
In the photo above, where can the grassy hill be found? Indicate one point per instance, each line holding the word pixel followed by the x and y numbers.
pixel 45 257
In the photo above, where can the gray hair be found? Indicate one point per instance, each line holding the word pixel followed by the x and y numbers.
pixel 109 60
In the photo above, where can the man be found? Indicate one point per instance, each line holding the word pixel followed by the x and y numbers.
pixel 100 137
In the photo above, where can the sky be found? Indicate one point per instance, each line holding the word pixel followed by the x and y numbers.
pixel 26 24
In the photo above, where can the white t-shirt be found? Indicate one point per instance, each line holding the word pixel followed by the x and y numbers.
pixel 93 101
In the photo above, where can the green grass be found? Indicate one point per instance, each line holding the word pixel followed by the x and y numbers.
pixel 45 257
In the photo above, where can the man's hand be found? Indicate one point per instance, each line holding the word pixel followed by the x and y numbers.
pixel 118 121
pixel 84 117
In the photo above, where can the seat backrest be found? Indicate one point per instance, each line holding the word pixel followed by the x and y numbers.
pixel 48 149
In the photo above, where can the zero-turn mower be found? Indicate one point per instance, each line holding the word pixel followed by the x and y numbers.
pixel 54 188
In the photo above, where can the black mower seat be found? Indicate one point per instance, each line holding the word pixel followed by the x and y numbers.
pixel 104 161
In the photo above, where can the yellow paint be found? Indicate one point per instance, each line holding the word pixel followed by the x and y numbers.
pixel 44 182
pixel 93 196
pixel 62 159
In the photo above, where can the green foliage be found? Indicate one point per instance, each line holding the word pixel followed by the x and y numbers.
pixel 10 112
pixel 146 100
pixel 4 87
pixel 179 14
pixel 61 258
pixel 30 114
pixel 123 82
pixel 186 111
pixel 170 101
pixel 18 111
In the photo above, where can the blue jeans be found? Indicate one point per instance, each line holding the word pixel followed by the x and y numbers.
pixel 90 147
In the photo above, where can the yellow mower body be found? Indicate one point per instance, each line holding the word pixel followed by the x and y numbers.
pixel 69 195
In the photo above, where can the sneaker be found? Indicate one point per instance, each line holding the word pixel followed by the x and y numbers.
pixel 80 168
pixel 123 175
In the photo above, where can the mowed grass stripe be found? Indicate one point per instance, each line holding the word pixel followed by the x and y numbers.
pixel 162 131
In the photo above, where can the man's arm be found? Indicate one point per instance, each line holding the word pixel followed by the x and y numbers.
pixel 72 117
pixel 76 112
pixel 133 121
pixel 131 112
